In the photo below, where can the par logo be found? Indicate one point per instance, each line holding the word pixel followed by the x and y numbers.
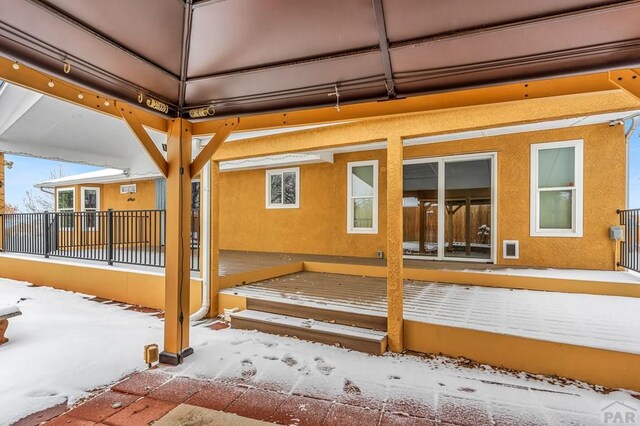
pixel 619 413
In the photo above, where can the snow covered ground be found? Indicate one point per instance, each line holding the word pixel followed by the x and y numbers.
pixel 65 345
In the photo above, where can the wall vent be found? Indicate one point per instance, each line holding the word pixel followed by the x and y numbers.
pixel 511 249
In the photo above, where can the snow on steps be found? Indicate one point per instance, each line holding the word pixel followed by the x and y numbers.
pixel 360 339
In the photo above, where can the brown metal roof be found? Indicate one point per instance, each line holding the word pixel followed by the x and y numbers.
pixel 251 56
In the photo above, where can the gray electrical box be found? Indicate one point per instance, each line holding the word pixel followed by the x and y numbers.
pixel 615 233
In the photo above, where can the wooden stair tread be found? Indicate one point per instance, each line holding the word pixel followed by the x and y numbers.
pixel 357 338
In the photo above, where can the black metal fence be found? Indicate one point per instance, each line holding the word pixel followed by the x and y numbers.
pixel 135 237
pixel 630 246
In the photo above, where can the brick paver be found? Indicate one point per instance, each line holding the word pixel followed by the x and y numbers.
pixel 148 396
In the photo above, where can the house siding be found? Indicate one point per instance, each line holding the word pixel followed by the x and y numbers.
pixel 319 226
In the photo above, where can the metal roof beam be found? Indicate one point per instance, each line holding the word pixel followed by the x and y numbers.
pixel 384 47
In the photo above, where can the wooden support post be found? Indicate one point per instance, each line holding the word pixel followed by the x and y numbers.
pixel 395 306
pixel 467 225
pixel 423 227
pixel 178 240
pixel 214 276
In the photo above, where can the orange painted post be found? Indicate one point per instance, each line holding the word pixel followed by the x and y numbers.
pixel 214 230
pixel 178 240
pixel 394 245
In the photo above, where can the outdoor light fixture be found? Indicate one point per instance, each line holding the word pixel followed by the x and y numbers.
pixel 16 65
pixel 51 83
pixel 66 67
pixel 106 103
pixel 80 95
pixel 202 112
pixel 157 105
pixel 140 98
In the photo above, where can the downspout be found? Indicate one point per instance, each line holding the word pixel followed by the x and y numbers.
pixel 205 202
pixel 627 138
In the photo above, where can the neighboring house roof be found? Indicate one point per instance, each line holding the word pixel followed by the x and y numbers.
pixel 98 176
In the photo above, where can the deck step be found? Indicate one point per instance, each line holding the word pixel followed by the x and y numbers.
pixel 356 338
pixel 301 310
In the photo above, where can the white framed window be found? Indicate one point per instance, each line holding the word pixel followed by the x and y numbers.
pixel 283 188
pixel 556 189
pixel 130 188
pixel 65 204
pixel 90 205
pixel 362 197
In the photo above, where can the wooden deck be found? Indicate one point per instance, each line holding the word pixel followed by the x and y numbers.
pixel 578 319
pixel 589 337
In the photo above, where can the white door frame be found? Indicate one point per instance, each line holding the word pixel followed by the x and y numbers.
pixel 493 156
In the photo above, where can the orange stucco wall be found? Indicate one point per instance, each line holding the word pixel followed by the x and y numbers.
pixel 110 197
pixel 319 225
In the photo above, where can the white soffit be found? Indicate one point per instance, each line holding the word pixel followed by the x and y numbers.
pixel 522 128
pixel 41 126
pixel 284 160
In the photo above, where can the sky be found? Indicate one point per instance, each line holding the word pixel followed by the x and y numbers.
pixel 28 171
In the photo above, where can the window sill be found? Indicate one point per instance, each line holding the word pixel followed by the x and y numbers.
pixel 290 206
pixel 556 234
pixel 362 231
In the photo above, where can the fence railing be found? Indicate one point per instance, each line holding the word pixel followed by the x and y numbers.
pixel 135 237
pixel 630 246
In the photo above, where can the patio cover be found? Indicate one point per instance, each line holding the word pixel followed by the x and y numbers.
pixel 252 56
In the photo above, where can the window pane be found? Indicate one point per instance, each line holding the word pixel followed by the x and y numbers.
pixel 362 181
pixel 90 199
pixel 556 209
pixel 65 200
pixel 289 188
pixel 363 213
pixel 556 167
pixel 276 189
pixel 195 195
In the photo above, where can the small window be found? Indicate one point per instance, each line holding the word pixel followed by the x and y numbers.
pixel 90 207
pixel 362 197
pixel 283 188
pixel 195 195
pixel 65 204
pixel 128 189
pixel 556 189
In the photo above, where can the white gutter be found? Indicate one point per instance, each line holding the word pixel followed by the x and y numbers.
pixel 205 202
pixel 632 128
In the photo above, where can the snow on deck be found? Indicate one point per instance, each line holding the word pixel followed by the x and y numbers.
pixel 605 322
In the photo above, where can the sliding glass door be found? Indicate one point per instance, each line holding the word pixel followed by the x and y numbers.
pixel 448 208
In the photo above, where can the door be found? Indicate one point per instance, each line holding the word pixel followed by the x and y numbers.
pixel 448 208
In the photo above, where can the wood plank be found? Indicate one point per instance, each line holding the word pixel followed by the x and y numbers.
pixel 347 337
pixel 373 322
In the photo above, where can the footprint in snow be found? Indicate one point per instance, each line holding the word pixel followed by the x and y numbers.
pixel 289 360
pixel 351 388
pixel 323 367
pixel 248 369
pixel 270 357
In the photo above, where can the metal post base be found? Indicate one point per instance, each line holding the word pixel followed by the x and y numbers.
pixel 174 359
